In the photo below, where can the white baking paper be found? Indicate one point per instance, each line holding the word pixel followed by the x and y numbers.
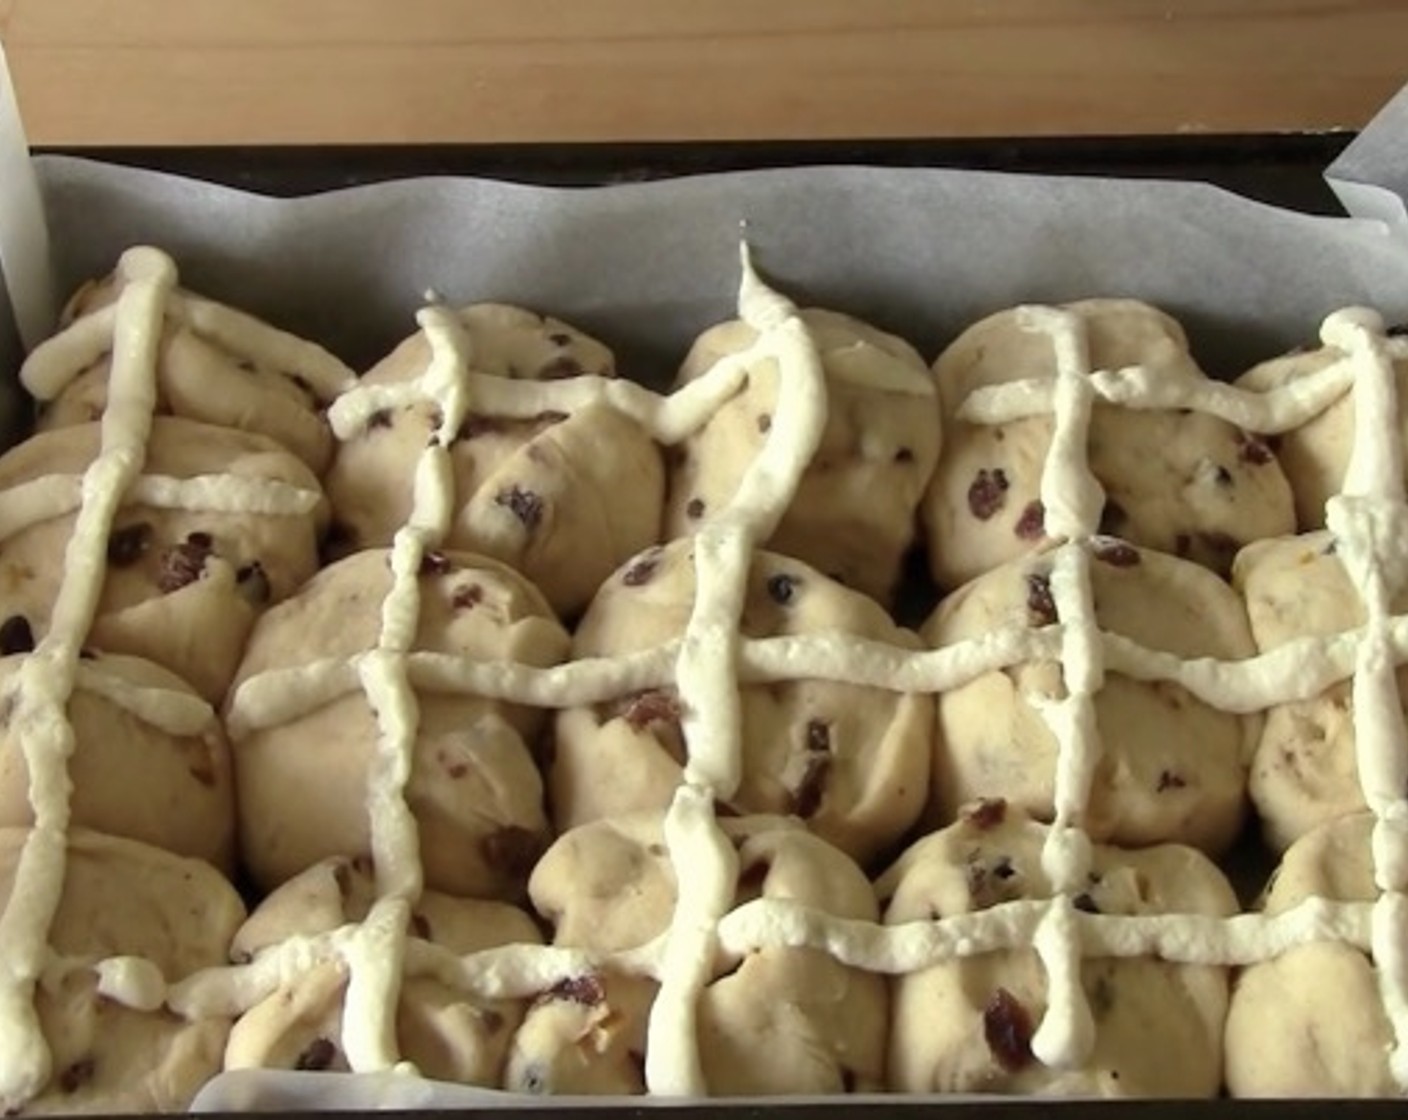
pixel 647 266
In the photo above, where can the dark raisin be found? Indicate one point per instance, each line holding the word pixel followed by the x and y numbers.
pixel 467 596
pixel 656 706
pixel 1222 476
pixel 420 926
pixel 551 416
pixel 1007 1027
pixel 987 813
pixel 129 544
pixel 1084 902
pixel 1114 552
pixel 782 588
pixel 818 735
pixel 456 770
pixel 317 1055
pixel 562 366
pixel 1032 524
pixel 1112 517
pixel 241 956
pixel 904 455
pixel 987 493
pixel 78 1074
pixel 533 1080
pixel 253 583
pixel 560 338
pixel 586 989
pixel 806 800
pixel 1331 547
pixel 304 385
pixel 246 364
pixel 433 563
pixel 523 504
pixel 512 850
pixel 1041 607
pixel 764 423
pixel 476 426
pixel 642 569
pixel 694 510
pixel 182 564
pixel 381 418
pixel 1003 868
pixel 16 636
pixel 1169 780
pixel 1253 451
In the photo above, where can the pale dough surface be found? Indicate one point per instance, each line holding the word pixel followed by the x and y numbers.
pixel 1158 1026
pixel 182 587
pixel 1304 771
pixel 1183 483
pixel 122 898
pixel 1311 1022
pixel 853 516
pixel 1315 456
pixel 474 787
pixel 785 1021
pixel 1171 768
pixel 562 497
pixel 199 378
pixel 131 779
pixel 448 1035
pixel 852 761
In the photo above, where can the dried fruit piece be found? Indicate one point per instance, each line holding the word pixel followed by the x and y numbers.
pixel 782 588
pixel 1114 552
pixel 1007 1027
pixel 129 544
pixel 806 799
pixel 523 504
pixel 694 509
pixel 1041 607
pixel 987 813
pixel 16 636
pixel 434 563
pixel 1254 451
pixel 642 569
pixel 586 989
pixel 317 1055
pixel 1169 780
pixel 253 583
pixel 467 596
pixel 182 564
pixel 1032 524
pixel 987 493
pixel 658 705
pixel 381 418
pixel 78 1074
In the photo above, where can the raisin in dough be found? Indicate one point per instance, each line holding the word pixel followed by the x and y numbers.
pixel 125 899
pixel 853 515
pixel 965 1026
pixel 782 1021
pixel 562 497
pixel 1304 771
pixel 129 777
pixel 1310 1022
pixel 1171 769
pixel 852 761
pixel 205 375
pixel 182 587
pixel 1180 482
pixel 474 788
pixel 448 1035
pixel 1315 456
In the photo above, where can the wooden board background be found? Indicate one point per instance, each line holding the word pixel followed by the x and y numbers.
pixel 178 72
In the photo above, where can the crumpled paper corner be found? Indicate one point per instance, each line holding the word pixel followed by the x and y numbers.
pixel 1371 174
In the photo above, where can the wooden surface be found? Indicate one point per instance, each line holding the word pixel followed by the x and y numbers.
pixel 159 72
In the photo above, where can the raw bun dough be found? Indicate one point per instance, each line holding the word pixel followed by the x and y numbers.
pixel 1158 1026
pixel 1304 771
pixel 563 498
pixel 130 778
pixel 200 377
pixel 182 587
pixel 1187 484
pixel 1315 456
pixel 1170 769
pixel 446 1034
pixel 782 1021
pixel 853 516
pixel 120 899
pixel 852 761
pixel 474 788
pixel 1311 1022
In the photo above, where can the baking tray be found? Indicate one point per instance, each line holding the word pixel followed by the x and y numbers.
pixel 1286 171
